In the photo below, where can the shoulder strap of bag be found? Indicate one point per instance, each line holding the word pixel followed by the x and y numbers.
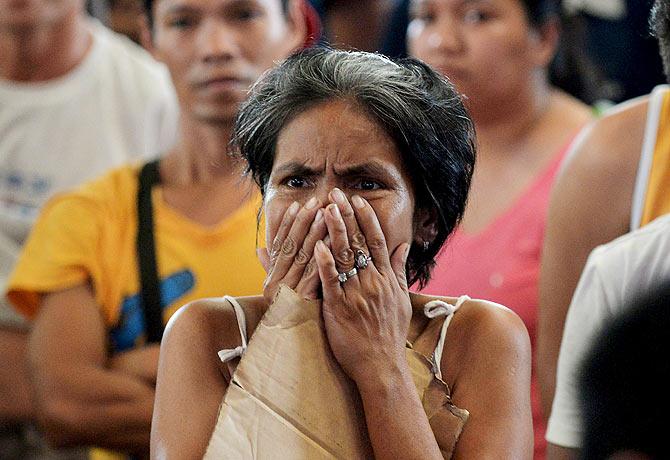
pixel 146 254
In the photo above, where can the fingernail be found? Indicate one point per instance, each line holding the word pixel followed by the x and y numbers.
pixel 293 209
pixel 319 215
pixel 357 201
pixel 319 246
pixel 334 211
pixel 311 203
pixel 338 196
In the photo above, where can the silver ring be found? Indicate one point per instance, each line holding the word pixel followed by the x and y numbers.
pixel 362 259
pixel 344 276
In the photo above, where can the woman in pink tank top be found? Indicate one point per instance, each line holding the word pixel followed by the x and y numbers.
pixel 498 53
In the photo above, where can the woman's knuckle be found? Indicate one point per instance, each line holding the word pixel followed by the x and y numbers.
pixel 288 246
pixel 302 257
pixel 309 269
pixel 358 240
pixel 377 242
pixel 345 257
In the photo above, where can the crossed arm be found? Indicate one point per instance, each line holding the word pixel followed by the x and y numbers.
pixel 84 397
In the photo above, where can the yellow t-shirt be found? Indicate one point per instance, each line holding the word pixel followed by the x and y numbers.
pixel 651 198
pixel 89 234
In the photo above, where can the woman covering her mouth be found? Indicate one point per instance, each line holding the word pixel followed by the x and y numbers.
pixel 364 165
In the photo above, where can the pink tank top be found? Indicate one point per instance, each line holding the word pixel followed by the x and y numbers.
pixel 502 263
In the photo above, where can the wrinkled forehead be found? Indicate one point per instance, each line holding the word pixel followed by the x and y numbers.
pixel 335 134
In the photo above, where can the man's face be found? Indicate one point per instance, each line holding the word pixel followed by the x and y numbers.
pixel 20 15
pixel 216 49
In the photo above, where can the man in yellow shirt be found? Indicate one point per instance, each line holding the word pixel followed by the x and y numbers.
pixel 92 347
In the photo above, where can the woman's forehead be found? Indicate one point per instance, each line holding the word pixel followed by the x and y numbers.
pixel 336 131
pixel 330 141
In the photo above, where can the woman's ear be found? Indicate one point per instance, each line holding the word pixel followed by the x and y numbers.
pixel 544 42
pixel 296 18
pixel 425 226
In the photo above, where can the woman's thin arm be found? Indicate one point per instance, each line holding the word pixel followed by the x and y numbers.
pixel 397 424
pixel 487 359
pixel 190 386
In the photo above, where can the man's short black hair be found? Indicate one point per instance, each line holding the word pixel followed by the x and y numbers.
pixel 625 381
pixel 149 9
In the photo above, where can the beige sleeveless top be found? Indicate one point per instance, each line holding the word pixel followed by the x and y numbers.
pixel 289 399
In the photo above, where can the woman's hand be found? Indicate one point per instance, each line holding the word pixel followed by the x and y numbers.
pixel 291 258
pixel 367 316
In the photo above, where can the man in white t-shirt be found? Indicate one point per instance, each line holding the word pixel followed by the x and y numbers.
pixel 75 100
pixel 615 275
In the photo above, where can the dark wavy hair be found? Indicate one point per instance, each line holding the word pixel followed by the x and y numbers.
pixel 418 108
pixel 540 11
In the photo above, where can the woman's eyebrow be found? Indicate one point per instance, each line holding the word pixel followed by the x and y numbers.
pixel 295 168
pixel 373 169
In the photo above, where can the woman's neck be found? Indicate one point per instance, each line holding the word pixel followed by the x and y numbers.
pixel 508 124
pixel 44 52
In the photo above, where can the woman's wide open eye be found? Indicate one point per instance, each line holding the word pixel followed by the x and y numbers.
pixel 367 184
pixel 297 182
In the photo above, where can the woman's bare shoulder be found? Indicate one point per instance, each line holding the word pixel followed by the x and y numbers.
pixel 213 321
pixel 481 329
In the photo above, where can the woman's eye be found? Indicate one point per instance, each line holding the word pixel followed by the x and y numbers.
pixel 247 14
pixel 423 16
pixel 368 184
pixel 181 22
pixel 475 16
pixel 297 182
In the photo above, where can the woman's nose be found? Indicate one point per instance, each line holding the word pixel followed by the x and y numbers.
pixel 445 38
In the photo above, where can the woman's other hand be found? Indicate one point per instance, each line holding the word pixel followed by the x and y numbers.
pixel 367 316
pixel 291 258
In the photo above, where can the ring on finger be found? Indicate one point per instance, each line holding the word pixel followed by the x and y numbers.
pixel 344 276
pixel 361 259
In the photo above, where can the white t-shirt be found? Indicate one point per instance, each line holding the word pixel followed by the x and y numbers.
pixel 117 105
pixel 615 274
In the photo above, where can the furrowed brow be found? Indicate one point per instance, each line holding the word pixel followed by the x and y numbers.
pixel 295 168
pixel 372 169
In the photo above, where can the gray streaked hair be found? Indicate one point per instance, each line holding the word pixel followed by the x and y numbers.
pixel 660 27
pixel 417 107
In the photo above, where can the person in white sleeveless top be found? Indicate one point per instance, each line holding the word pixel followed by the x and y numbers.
pixel 615 275
pixel 598 196
pixel 75 100
pixel 364 165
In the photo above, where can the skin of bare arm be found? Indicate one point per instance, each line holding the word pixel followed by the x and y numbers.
pixel 16 402
pixel 191 379
pixel 78 395
pixel 590 205
pixel 487 352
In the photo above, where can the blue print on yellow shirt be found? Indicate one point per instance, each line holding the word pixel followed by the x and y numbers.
pixel 131 321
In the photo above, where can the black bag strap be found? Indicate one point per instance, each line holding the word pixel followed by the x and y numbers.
pixel 150 292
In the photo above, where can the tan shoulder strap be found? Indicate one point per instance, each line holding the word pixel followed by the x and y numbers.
pixel 431 341
pixel 231 353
